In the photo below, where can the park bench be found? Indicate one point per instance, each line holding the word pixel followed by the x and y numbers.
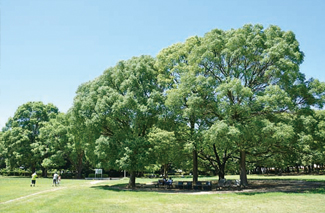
pixel 164 184
pixel 198 186
pixel 159 183
pixel 169 185
pixel 179 185
pixel 207 185
pixel 188 185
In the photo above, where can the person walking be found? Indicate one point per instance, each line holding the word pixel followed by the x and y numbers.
pixel 34 176
pixel 55 179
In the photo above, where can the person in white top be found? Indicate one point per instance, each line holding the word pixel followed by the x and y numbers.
pixel 55 179
pixel 170 181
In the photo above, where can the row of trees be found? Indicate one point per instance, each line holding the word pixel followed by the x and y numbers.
pixel 234 94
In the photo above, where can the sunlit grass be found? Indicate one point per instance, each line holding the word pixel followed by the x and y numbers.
pixel 82 196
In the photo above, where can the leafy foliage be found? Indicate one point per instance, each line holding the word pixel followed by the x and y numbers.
pixel 21 135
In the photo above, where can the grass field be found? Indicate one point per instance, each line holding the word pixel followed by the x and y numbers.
pixel 91 196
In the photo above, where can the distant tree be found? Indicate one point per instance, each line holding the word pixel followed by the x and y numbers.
pixel 64 143
pixel 318 144
pixel 21 135
pixel 166 149
pixel 2 152
pixel 311 139
pixel 55 138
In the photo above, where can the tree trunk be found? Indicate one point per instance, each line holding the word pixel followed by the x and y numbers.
pixel 221 171
pixel 79 172
pixel 80 166
pixel 195 167
pixel 243 175
pixel 165 170
pixel 132 180
pixel 44 172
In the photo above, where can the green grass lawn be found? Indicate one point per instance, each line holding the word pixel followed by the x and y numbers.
pixel 83 196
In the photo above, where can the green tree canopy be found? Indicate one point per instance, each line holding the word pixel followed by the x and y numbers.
pixel 248 72
pixel 21 134
pixel 125 103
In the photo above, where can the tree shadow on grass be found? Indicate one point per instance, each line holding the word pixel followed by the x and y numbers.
pixel 256 187
pixel 284 186
pixel 288 179
pixel 146 188
pixel 313 191
pixel 117 188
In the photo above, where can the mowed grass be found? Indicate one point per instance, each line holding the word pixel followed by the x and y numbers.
pixel 85 196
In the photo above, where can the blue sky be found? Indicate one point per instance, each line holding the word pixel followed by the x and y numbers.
pixel 49 48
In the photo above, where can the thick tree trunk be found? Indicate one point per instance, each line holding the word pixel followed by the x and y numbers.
pixel 195 167
pixel 242 166
pixel 132 180
pixel 80 166
pixel 221 171
pixel 79 171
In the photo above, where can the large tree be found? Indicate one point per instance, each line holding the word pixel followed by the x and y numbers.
pixel 253 72
pixel 188 95
pixel 82 130
pixel 125 103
